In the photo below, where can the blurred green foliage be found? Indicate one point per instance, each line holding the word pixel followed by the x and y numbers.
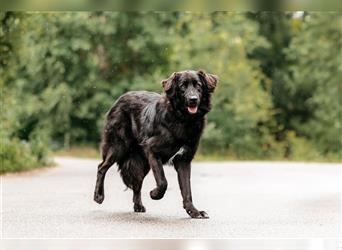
pixel 278 96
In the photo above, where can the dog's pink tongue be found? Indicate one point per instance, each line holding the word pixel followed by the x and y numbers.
pixel 192 110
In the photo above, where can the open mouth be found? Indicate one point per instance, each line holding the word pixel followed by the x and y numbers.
pixel 192 109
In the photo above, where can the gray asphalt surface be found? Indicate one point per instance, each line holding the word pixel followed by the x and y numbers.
pixel 243 199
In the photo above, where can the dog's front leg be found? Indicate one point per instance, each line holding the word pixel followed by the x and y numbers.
pixel 158 172
pixel 184 173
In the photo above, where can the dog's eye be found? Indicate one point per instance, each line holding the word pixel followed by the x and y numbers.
pixel 197 84
pixel 182 86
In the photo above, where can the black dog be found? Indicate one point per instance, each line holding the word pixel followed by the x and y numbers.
pixel 146 130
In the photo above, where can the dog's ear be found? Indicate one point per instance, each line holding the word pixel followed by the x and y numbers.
pixel 210 80
pixel 169 82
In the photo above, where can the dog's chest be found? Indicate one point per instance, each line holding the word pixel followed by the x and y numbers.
pixel 184 132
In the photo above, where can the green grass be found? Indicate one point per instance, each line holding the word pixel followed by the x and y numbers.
pixel 80 152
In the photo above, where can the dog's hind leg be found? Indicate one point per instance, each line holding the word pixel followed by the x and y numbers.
pixel 108 161
pixel 133 171
pixel 138 206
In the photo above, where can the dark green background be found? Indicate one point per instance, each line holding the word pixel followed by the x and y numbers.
pixel 279 95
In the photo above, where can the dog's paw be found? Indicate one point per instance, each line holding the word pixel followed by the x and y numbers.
pixel 157 194
pixel 195 214
pixel 139 208
pixel 204 215
pixel 98 198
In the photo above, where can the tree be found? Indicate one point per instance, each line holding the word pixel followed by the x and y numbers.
pixel 70 71
pixel 314 80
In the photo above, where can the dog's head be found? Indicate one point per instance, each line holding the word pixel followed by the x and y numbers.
pixel 189 91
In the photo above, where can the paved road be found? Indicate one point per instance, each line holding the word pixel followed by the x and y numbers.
pixel 250 199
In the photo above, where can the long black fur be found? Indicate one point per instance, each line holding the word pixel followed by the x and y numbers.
pixel 145 130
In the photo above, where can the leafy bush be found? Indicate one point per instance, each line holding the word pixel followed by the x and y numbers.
pixel 17 155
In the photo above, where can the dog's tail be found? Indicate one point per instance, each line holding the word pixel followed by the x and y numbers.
pixel 133 169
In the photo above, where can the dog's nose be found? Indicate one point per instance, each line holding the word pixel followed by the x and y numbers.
pixel 193 98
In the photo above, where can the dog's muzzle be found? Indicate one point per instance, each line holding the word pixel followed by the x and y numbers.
pixel 192 104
